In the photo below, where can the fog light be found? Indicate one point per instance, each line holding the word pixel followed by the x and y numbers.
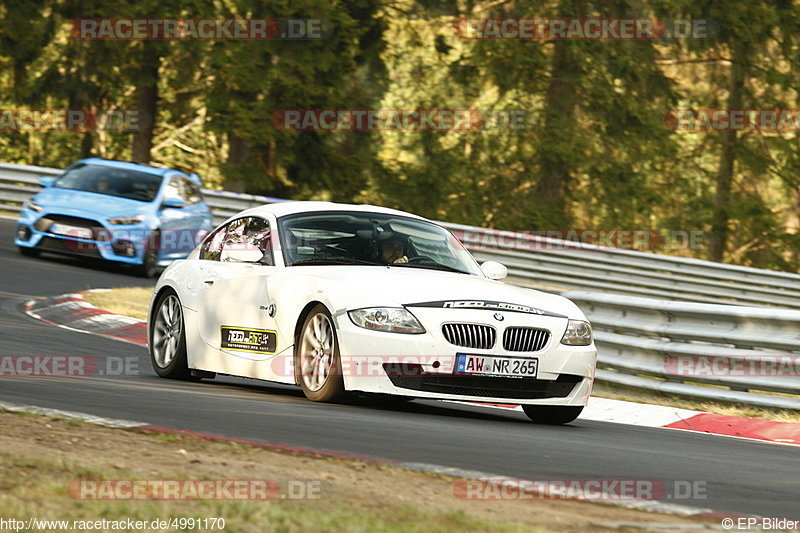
pixel 125 248
pixel 23 232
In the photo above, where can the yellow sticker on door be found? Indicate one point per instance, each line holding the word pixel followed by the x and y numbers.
pixel 248 339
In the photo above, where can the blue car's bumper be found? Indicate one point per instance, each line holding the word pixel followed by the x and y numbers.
pixel 75 235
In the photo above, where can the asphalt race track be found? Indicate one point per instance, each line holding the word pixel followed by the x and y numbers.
pixel 740 476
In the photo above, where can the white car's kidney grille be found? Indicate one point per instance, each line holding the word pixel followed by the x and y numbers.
pixel 525 339
pixel 476 336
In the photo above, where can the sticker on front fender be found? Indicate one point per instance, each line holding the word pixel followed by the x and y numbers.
pixel 248 339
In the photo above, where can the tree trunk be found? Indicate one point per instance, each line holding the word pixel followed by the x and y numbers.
pixel 146 104
pixel 238 153
pixel 561 100
pixel 718 240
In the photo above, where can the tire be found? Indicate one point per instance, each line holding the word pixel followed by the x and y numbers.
pixel 317 363
pixel 149 266
pixel 167 338
pixel 28 252
pixel 552 414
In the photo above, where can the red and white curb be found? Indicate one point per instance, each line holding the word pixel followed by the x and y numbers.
pixel 661 416
pixel 656 506
pixel 71 311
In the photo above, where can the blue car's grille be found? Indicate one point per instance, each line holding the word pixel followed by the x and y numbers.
pixel 69 246
pixel 44 224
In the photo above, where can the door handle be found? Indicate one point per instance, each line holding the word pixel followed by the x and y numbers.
pixel 208 282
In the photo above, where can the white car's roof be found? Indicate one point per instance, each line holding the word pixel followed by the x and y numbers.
pixel 289 208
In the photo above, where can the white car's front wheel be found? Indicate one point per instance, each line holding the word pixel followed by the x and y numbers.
pixel 317 362
pixel 553 415
pixel 168 338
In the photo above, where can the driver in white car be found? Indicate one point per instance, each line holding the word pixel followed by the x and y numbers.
pixel 392 251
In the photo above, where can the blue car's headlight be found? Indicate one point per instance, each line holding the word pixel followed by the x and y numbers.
pixel 32 206
pixel 127 221
pixel 391 319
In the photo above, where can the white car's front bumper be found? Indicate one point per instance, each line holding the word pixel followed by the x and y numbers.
pixel 424 364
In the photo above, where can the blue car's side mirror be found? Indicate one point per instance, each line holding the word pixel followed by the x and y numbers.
pixel 47 181
pixel 174 203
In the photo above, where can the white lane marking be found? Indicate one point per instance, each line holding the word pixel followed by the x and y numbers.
pixel 515 483
pixel 637 414
pixel 74 415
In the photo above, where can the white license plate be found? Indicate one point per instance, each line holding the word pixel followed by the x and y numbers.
pixel 71 231
pixel 492 365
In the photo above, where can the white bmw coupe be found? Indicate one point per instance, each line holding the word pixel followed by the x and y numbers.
pixel 337 298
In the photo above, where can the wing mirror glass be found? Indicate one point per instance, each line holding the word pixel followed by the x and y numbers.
pixel 494 270
pixel 174 203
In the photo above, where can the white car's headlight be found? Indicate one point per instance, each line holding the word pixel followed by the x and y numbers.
pixel 33 206
pixel 579 333
pixel 127 221
pixel 391 319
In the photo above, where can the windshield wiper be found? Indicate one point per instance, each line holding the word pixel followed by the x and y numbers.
pixel 430 266
pixel 333 261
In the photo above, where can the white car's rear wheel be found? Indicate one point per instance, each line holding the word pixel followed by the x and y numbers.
pixel 552 414
pixel 317 364
pixel 168 338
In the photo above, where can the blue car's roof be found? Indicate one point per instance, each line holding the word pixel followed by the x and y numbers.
pixel 133 166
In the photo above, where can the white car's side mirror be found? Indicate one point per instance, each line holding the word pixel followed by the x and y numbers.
pixel 244 255
pixel 494 270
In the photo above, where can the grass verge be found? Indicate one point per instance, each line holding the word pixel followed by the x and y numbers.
pixel 40 456
pixel 129 301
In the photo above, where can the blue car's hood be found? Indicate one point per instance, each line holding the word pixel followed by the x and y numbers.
pixel 88 202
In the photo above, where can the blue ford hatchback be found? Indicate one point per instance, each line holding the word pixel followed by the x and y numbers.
pixel 125 212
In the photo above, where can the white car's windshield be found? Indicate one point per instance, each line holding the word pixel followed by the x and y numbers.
pixel 362 238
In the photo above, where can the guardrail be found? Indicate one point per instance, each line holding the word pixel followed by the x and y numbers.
pixel 635 336
pixel 718 352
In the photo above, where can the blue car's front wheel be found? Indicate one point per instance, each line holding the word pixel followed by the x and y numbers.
pixel 149 266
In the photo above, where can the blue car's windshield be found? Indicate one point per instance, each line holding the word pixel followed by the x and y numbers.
pixel 111 181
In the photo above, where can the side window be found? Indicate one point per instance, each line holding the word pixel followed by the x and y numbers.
pixel 258 234
pixel 173 189
pixel 212 247
pixel 192 192
pixel 249 233
pixel 234 237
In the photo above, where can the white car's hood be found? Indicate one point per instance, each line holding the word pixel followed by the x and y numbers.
pixel 396 286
